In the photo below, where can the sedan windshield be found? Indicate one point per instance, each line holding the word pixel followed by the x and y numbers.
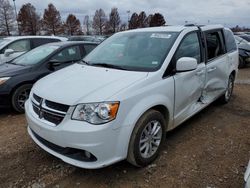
pixel 136 51
pixel 35 56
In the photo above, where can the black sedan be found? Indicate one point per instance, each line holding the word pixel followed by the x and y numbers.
pixel 18 75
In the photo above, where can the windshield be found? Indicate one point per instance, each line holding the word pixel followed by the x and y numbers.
pixel 3 42
pixel 247 38
pixel 35 56
pixel 136 51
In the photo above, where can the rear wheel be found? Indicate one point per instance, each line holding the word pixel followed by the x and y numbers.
pixel 19 97
pixel 228 94
pixel 147 139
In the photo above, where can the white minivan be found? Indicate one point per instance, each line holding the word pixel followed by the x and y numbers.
pixel 119 101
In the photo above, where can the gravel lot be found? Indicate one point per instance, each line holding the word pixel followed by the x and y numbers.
pixel 210 150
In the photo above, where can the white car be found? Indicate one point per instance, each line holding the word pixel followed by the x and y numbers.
pixel 121 99
pixel 247 176
pixel 12 47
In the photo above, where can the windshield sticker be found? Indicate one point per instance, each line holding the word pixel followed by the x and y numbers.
pixel 154 62
pixel 161 36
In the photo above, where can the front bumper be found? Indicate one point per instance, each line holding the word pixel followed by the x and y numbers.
pixel 107 144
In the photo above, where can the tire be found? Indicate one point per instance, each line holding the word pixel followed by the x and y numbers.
pixel 242 63
pixel 156 121
pixel 19 96
pixel 225 98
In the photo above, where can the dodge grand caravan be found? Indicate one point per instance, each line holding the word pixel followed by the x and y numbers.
pixel 119 101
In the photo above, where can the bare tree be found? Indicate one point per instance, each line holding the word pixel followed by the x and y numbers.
pixel 114 19
pixel 73 25
pixel 52 23
pixel 142 20
pixel 133 22
pixel 157 20
pixel 29 20
pixel 86 22
pixel 99 21
pixel 7 19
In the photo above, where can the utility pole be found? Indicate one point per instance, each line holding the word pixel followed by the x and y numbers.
pixel 16 17
pixel 128 12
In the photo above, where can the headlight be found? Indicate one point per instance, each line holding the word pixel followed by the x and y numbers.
pixel 96 113
pixel 3 79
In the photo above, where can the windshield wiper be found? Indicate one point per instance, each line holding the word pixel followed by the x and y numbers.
pixel 108 66
pixel 85 62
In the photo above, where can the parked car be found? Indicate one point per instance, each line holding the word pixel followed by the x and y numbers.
pixel 247 176
pixel 89 38
pixel 244 50
pixel 18 75
pixel 121 99
pixel 12 47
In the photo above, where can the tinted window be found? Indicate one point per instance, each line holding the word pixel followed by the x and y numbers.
pixel 87 48
pixel 230 41
pixel 214 44
pixel 68 54
pixel 20 45
pixel 40 41
pixel 189 47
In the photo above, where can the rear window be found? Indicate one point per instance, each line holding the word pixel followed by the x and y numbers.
pixel 230 41
pixel 40 41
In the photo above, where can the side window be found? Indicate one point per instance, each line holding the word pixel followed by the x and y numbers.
pixel 214 44
pixel 230 41
pixel 189 47
pixel 87 48
pixel 20 46
pixel 68 54
pixel 40 41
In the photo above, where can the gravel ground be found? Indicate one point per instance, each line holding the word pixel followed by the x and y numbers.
pixel 211 149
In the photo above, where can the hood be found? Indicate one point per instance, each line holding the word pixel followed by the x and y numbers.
pixel 7 69
pixel 82 84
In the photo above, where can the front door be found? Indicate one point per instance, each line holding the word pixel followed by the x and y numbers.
pixel 189 85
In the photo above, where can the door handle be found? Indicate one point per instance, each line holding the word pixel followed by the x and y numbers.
pixel 211 69
pixel 199 72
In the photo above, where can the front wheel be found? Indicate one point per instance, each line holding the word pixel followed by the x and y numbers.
pixel 147 139
pixel 19 97
pixel 228 94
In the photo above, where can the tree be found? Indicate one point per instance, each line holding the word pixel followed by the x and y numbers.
pixel 133 22
pixel 29 20
pixel 114 20
pixel 73 26
pixel 142 20
pixel 52 23
pixel 99 21
pixel 157 20
pixel 148 20
pixel 86 22
pixel 7 18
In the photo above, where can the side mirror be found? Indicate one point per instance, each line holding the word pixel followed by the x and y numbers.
pixel 54 63
pixel 186 64
pixel 8 52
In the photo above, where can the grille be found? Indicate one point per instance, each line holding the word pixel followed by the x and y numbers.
pixel 48 110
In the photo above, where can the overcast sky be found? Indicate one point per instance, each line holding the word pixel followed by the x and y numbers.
pixel 227 12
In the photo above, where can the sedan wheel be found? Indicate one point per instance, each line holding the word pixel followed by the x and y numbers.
pixel 19 97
